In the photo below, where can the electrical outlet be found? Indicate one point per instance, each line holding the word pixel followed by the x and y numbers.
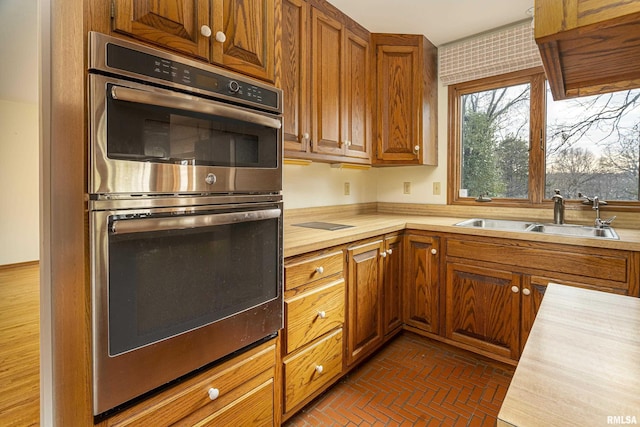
pixel 436 188
pixel 406 188
pixel 347 188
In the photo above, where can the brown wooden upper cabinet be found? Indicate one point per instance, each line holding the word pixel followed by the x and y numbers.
pixel 406 100
pixel 236 34
pixel 587 46
pixel 326 84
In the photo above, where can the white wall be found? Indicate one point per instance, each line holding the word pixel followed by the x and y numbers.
pixel 320 185
pixel 19 137
pixel 19 187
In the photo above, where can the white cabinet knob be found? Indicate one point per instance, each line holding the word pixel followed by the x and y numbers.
pixel 213 393
pixel 347 143
pixel 434 251
pixel 526 291
pixel 322 314
pixel 319 369
pixel 416 148
pixel 515 289
pixel 389 251
pixel 221 37
pixel 320 270
pixel 306 136
pixel 205 31
pixel 383 254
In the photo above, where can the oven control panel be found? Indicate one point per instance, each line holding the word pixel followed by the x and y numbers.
pixel 116 56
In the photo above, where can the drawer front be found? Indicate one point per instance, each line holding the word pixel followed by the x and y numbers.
pixel 299 272
pixel 303 374
pixel 184 399
pixel 598 264
pixel 254 408
pixel 312 314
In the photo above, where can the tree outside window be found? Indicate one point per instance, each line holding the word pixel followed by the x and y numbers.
pixel 510 140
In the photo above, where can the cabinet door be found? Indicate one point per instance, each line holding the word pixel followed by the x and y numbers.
pixel 483 307
pixel 249 27
pixel 295 75
pixel 172 24
pixel 421 283
pixel 327 91
pixel 356 106
pixel 392 290
pixel 398 90
pixel 533 289
pixel 364 319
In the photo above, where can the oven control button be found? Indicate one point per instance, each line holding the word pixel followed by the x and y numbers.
pixel 210 179
pixel 234 86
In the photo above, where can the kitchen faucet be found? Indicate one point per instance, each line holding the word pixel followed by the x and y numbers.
pixel 596 202
pixel 558 208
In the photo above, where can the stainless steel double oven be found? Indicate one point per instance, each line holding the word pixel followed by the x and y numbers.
pixel 185 216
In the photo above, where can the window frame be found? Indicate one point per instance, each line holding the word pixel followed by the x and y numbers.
pixel 537 143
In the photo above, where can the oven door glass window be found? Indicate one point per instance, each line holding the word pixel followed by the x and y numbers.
pixel 169 281
pixel 144 132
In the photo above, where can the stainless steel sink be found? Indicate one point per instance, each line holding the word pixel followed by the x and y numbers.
pixel 496 224
pixel 575 230
pixel 533 227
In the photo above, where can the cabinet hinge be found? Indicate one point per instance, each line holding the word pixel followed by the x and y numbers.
pixel 113 9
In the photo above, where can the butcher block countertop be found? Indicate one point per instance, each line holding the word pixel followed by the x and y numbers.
pixel 298 240
pixel 581 363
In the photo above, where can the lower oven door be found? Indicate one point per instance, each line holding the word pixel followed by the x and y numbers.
pixel 173 291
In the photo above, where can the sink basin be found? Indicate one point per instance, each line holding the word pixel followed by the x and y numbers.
pixel 496 224
pixel 528 226
pixel 575 230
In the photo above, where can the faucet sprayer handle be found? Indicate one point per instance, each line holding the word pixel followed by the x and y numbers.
pixel 608 221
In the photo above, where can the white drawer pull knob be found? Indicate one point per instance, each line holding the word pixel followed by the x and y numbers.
pixel 389 251
pixel 221 37
pixel 322 314
pixel 383 254
pixel 320 270
pixel 213 393
pixel 434 251
pixel 526 291
pixel 205 31
pixel 319 369
pixel 515 289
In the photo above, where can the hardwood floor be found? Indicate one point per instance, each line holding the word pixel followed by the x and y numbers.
pixel 20 345
pixel 413 381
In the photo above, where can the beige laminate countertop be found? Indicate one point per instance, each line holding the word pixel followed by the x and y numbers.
pixel 298 240
pixel 581 363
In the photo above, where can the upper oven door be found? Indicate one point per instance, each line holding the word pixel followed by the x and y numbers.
pixel 149 140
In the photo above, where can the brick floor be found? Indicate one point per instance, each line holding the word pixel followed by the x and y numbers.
pixel 413 381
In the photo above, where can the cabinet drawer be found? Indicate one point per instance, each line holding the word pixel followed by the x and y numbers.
pixel 299 272
pixel 301 371
pixel 233 379
pixel 314 313
pixel 601 264
pixel 254 408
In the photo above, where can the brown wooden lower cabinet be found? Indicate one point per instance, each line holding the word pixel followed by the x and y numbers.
pixel 421 282
pixel 245 387
pixel 392 297
pixel 483 308
pixel 364 303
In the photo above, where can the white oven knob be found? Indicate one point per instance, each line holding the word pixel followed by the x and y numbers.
pixel 211 179
pixel 213 393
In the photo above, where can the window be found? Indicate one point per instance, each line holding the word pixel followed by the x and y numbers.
pixel 510 141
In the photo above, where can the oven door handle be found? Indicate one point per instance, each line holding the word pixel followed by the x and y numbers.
pixel 129 226
pixel 193 104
